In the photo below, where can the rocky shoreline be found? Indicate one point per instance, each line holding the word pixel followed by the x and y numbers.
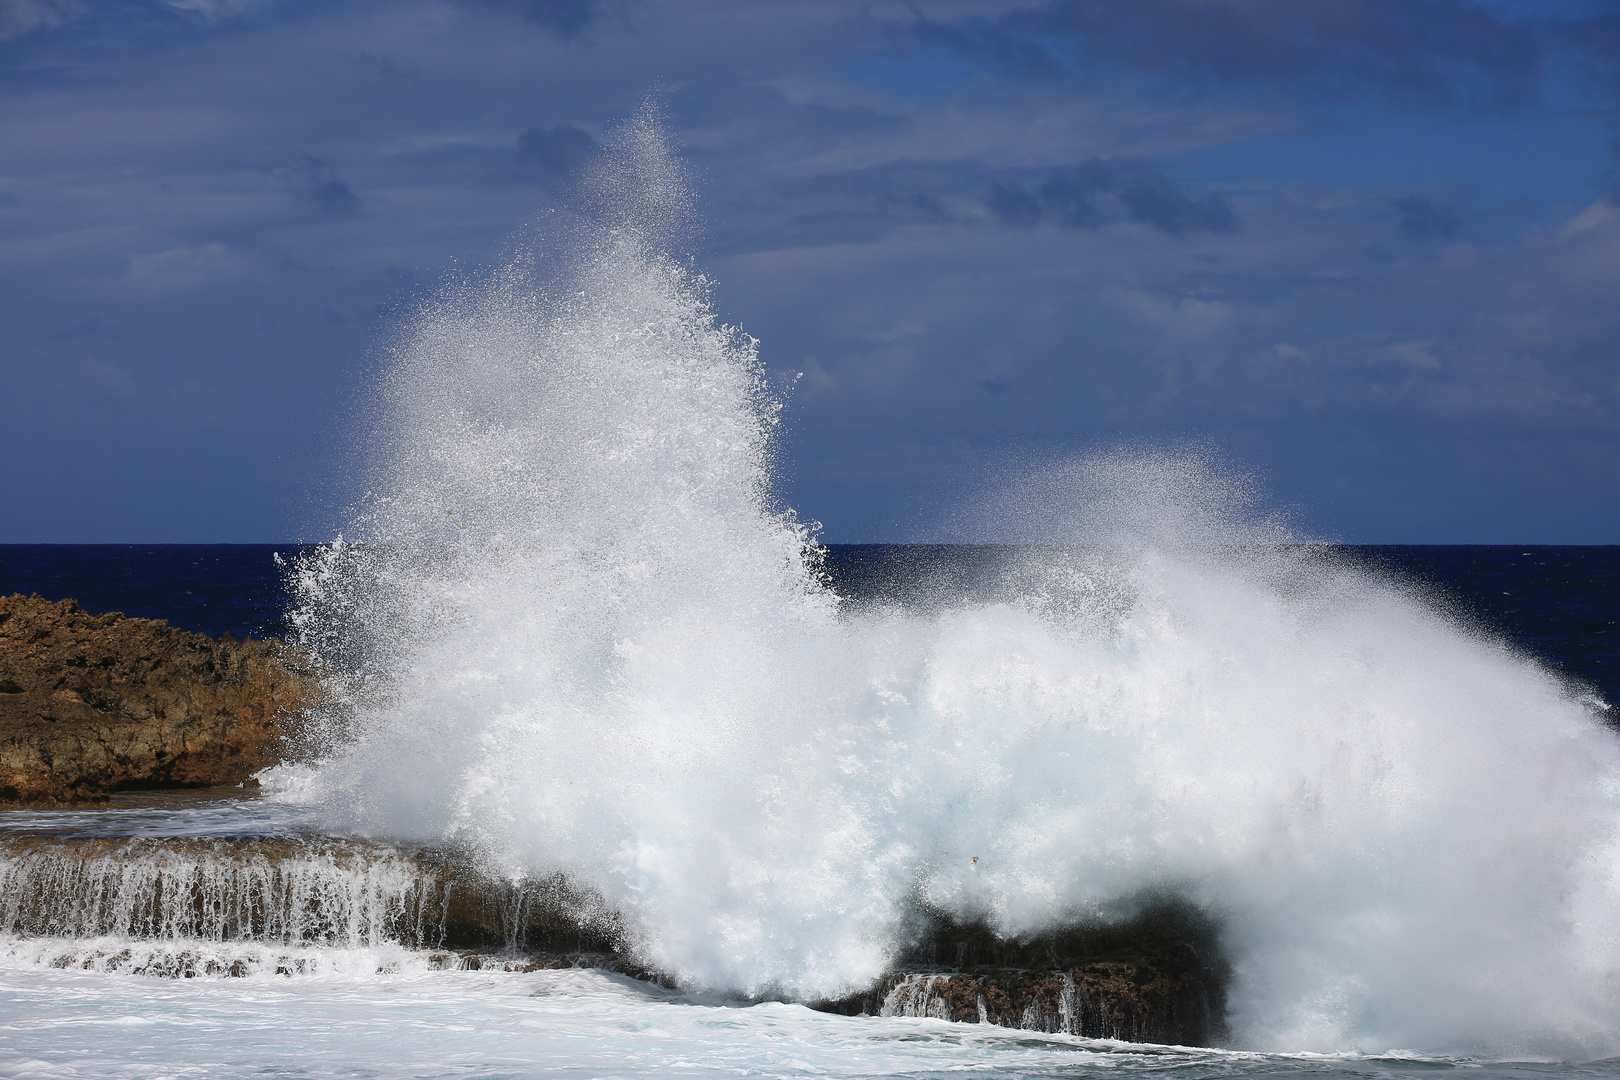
pixel 92 704
pixel 96 704
pixel 1155 976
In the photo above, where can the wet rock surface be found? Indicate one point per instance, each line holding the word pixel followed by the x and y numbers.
pixel 1155 975
pixel 91 704
pixel 1129 1001
pixel 95 704
pixel 296 893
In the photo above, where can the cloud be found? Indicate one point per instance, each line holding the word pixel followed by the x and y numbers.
pixel 1098 193
pixel 216 10
pixel 21 16
pixel 567 19
pixel 1434 51
pixel 868 205
pixel 1424 219
pixel 18 17
pixel 1416 354
pixel 1294 332
pixel 557 154
pixel 1014 206
pixel 1601 215
pixel 982 247
pixel 193 400
pixel 314 182
pixel 186 267
pixel 91 326
pixel 1613 176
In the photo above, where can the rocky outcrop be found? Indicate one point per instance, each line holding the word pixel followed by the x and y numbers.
pixel 1154 974
pixel 310 890
pixel 91 704
pixel 286 894
pixel 1131 1002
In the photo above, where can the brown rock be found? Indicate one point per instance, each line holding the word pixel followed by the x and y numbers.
pixel 96 703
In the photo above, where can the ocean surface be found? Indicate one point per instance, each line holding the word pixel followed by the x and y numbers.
pixel 1557 604
pixel 70 1025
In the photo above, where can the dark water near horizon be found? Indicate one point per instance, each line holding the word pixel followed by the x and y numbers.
pixel 1560 604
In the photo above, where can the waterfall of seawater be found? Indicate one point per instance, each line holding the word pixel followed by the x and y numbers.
pixel 204 907
pixel 573 632
pixel 213 891
pixel 248 906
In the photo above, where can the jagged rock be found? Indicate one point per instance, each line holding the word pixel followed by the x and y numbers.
pixel 91 704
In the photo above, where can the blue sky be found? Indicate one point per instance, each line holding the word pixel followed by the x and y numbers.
pixel 1368 249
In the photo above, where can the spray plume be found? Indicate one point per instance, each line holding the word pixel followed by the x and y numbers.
pixel 577 634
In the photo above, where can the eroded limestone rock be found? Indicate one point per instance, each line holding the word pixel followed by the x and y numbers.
pixel 91 704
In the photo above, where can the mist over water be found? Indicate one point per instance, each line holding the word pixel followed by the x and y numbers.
pixel 575 631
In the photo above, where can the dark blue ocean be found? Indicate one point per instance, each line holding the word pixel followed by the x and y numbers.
pixel 1559 604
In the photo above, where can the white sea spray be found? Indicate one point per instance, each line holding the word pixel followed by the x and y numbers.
pixel 575 633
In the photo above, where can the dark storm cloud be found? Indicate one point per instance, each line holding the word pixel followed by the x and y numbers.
pixel 1424 219
pixel 1098 193
pixel 1438 51
pixel 314 182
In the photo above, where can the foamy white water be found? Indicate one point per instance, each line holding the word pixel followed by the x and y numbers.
pixel 63 1024
pixel 469 1023
pixel 71 1025
pixel 579 635
pixel 173 813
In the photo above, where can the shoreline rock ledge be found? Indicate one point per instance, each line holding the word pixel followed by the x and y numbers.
pixel 92 704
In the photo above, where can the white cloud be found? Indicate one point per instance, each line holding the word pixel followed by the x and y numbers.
pixel 21 16
pixel 186 267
